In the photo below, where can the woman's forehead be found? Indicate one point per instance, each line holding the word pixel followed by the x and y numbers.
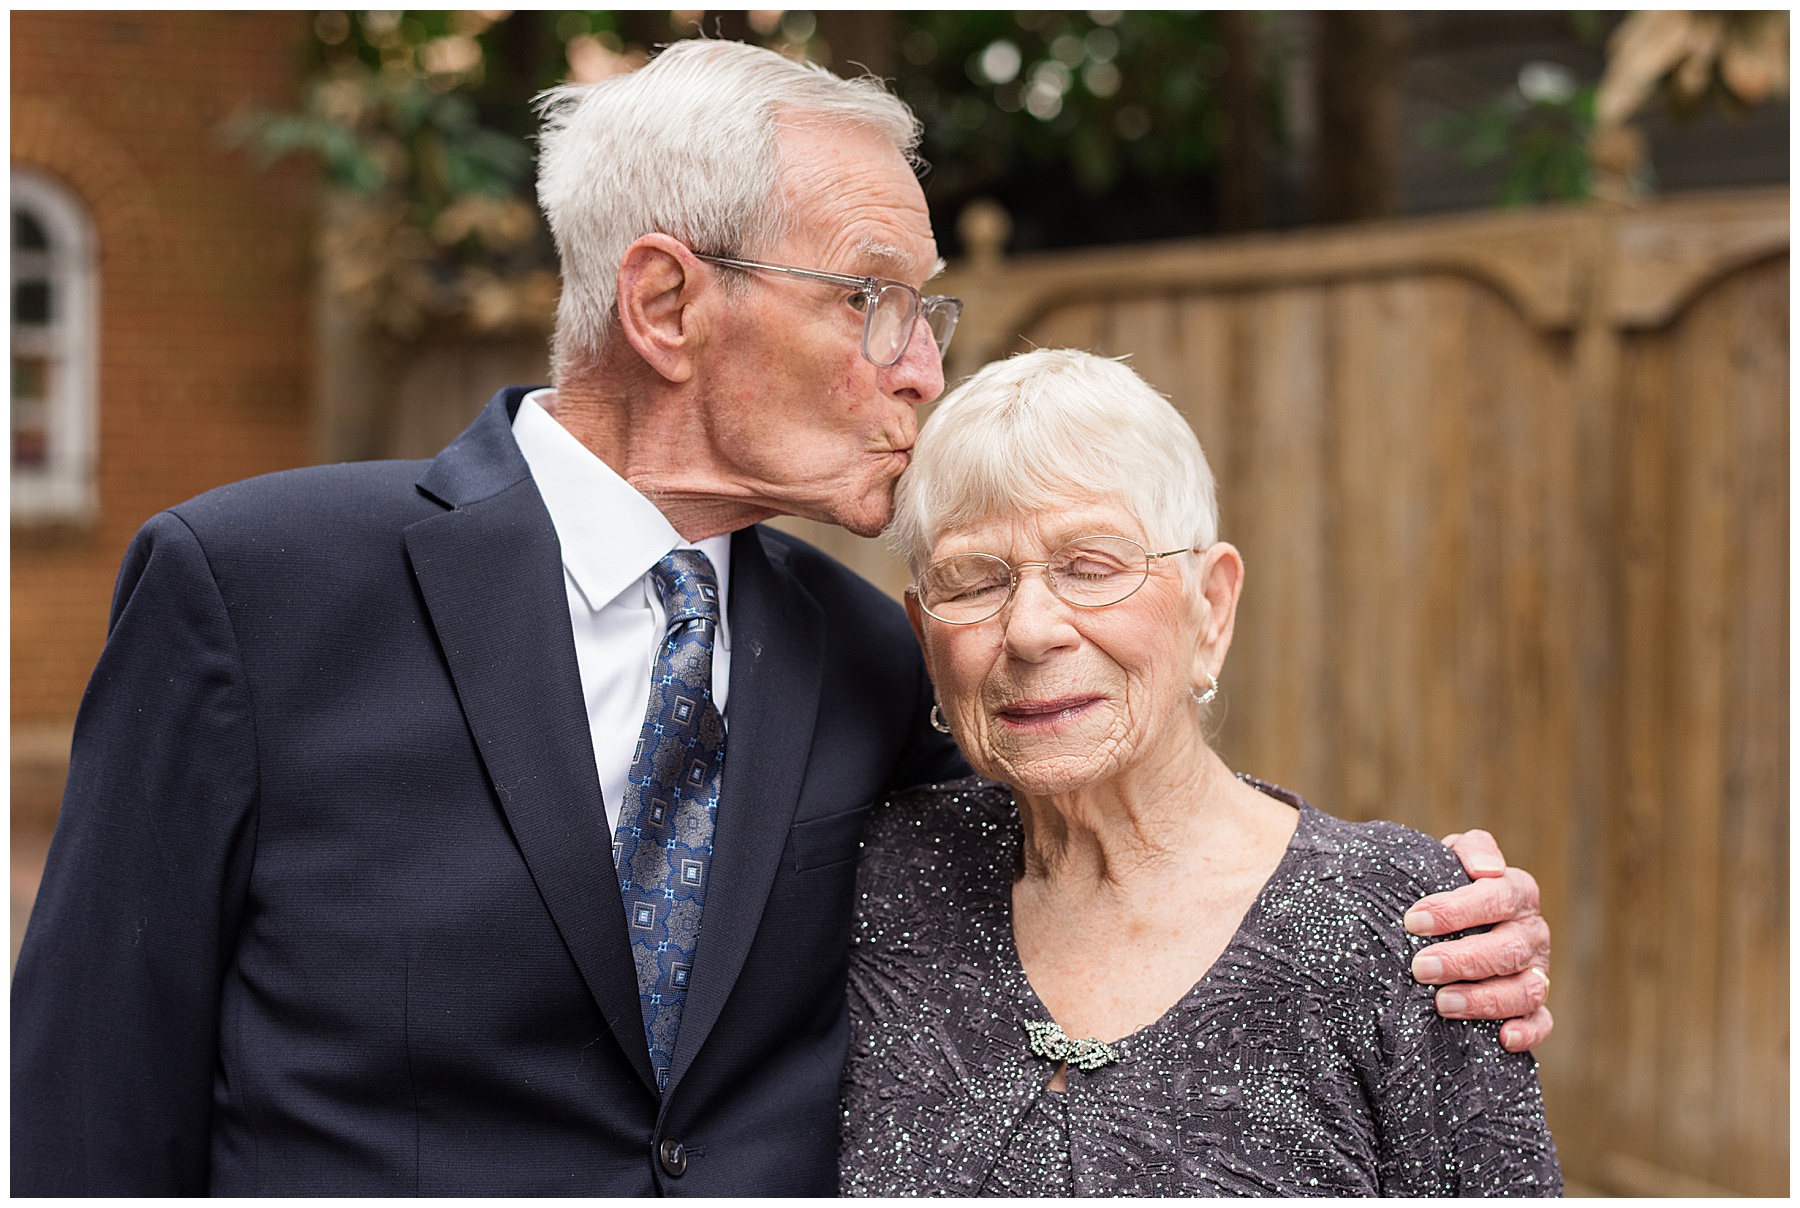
pixel 1040 528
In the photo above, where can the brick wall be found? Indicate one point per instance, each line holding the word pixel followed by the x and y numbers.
pixel 203 274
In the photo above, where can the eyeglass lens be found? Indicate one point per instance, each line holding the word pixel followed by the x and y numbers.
pixel 888 327
pixel 941 314
pixel 889 324
pixel 1089 573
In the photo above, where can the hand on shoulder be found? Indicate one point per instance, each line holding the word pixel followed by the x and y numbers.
pixel 1501 973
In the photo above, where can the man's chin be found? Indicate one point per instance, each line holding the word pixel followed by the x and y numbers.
pixel 865 524
pixel 865 515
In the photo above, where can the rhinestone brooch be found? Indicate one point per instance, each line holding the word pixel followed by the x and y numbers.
pixel 1049 1040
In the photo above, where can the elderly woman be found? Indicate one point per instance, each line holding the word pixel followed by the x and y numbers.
pixel 1108 965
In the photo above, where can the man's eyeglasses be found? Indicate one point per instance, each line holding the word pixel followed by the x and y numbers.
pixel 1088 572
pixel 890 309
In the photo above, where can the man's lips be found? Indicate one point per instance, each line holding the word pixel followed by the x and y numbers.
pixel 1043 712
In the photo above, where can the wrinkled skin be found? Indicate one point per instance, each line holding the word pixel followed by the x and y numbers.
pixel 730 397
pixel 1049 698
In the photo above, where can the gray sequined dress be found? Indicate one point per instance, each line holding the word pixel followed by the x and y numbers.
pixel 1306 1062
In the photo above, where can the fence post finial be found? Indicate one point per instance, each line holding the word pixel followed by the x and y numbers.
pixel 984 226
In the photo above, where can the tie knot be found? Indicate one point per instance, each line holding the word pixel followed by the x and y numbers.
pixel 688 587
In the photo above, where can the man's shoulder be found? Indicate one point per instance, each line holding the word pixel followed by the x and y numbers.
pixel 838 589
pixel 309 489
pixel 312 503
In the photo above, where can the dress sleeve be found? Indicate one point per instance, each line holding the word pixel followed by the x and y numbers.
pixel 1456 1114
pixel 115 1003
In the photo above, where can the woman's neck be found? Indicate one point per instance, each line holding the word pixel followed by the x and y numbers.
pixel 1134 886
pixel 1138 823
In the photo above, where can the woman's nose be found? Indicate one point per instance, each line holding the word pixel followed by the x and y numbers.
pixel 1036 619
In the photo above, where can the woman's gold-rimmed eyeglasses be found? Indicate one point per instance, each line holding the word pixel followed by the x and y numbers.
pixel 1088 572
pixel 890 309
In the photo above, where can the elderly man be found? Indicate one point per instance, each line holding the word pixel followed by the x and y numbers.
pixel 487 825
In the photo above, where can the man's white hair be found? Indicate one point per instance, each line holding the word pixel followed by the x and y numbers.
pixel 1044 428
pixel 687 146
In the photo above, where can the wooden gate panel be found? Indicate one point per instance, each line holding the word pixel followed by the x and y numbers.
pixel 1512 496
pixel 1703 794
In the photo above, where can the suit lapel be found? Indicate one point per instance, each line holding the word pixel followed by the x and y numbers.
pixel 491 574
pixel 777 660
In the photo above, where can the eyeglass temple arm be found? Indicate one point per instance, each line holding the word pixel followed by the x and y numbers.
pixel 809 274
pixel 927 302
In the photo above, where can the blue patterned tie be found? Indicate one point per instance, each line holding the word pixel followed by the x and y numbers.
pixel 663 848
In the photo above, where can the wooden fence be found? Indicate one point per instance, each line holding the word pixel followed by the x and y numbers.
pixel 1512 494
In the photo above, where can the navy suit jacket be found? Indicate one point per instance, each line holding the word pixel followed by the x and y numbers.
pixel 331 907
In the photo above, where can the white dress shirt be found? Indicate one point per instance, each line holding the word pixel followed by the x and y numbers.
pixel 611 536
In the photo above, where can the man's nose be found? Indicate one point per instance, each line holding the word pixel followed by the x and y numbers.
pixel 918 376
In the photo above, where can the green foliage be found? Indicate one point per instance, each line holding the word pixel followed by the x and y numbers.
pixel 1105 93
pixel 1538 130
pixel 429 218
pixel 1119 114
pixel 1112 126
pixel 442 147
pixel 382 121
pixel 1589 26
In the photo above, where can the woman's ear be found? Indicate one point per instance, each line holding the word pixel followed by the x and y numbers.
pixel 916 615
pixel 1221 583
pixel 660 282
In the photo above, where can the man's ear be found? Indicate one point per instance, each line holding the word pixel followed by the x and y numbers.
pixel 660 281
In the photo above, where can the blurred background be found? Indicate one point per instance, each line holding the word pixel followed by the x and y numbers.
pixel 1481 317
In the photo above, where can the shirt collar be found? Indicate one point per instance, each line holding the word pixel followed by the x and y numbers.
pixel 610 534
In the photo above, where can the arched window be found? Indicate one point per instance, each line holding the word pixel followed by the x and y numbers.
pixel 55 322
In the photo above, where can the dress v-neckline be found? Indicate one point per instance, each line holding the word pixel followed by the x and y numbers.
pixel 1013 965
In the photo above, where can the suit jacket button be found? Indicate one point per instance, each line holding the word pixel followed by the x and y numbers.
pixel 673 1156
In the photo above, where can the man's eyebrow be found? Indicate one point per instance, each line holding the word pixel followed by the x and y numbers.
pixel 886 260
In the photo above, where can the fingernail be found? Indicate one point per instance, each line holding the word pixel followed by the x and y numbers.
pixel 1427 968
pixel 1487 863
pixel 1419 922
pixel 1450 1002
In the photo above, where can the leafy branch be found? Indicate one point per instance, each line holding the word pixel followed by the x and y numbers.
pixel 428 219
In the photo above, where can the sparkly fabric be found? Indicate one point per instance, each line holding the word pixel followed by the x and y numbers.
pixel 1306 1062
pixel 664 842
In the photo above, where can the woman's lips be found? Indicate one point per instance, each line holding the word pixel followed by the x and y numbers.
pixel 1044 712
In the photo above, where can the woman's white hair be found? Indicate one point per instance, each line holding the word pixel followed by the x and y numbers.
pixel 1041 429
pixel 688 146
